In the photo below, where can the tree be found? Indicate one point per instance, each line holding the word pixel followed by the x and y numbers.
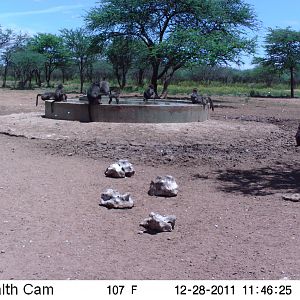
pixel 121 53
pixel 25 63
pixel 5 36
pixel 79 43
pixel 52 47
pixel 282 52
pixel 15 42
pixel 177 33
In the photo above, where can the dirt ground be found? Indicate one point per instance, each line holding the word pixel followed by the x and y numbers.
pixel 232 171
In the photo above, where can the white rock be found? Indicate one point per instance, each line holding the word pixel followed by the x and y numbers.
pixel 292 197
pixel 115 171
pixel 122 168
pixel 165 186
pixel 159 223
pixel 297 136
pixel 127 167
pixel 113 199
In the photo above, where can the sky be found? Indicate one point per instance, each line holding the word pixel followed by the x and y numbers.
pixel 45 16
pixel 49 16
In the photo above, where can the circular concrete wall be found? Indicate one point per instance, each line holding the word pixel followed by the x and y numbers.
pixel 128 111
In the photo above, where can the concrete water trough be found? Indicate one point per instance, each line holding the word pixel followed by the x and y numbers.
pixel 130 110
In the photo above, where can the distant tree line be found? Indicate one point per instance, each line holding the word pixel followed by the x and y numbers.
pixel 137 42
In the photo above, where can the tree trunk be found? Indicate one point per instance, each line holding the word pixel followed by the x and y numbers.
pixel 47 75
pixel 81 71
pixel 167 81
pixel 5 76
pixel 81 81
pixel 63 73
pixel 292 82
pixel 168 77
pixel 38 79
pixel 154 78
pixel 140 78
pixel 123 78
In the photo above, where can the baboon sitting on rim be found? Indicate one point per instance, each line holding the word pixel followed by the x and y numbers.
pixel 197 99
pixel 94 93
pixel 114 92
pixel 111 92
pixel 93 96
pixel 58 95
pixel 297 136
pixel 104 87
pixel 149 92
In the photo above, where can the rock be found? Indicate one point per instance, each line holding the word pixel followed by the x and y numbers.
pixel 159 223
pixel 115 171
pixel 127 167
pixel 291 197
pixel 297 136
pixel 122 168
pixel 113 199
pixel 164 186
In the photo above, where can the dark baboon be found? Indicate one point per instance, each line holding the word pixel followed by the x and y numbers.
pixel 111 92
pixel 197 99
pixel 104 87
pixel 211 103
pixel 114 92
pixel 58 95
pixel 45 96
pixel 93 93
pixel 149 92
pixel 94 97
pixel 297 136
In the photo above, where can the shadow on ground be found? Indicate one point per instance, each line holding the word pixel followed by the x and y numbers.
pixel 261 181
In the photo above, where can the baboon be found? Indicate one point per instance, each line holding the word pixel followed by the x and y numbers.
pixel 197 99
pixel 58 95
pixel 149 92
pixel 93 96
pixel 211 103
pixel 93 93
pixel 104 87
pixel 297 136
pixel 114 92
pixel 111 92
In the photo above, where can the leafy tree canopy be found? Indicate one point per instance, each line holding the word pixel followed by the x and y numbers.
pixel 79 44
pixel 177 32
pixel 53 48
pixel 282 48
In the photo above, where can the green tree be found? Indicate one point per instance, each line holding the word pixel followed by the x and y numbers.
pixel 15 42
pixel 5 36
pixel 177 33
pixel 79 43
pixel 25 63
pixel 282 48
pixel 264 73
pixel 121 53
pixel 52 47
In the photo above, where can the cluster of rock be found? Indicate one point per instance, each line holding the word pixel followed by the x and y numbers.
pixel 164 186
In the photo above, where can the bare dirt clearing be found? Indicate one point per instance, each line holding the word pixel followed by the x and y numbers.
pixel 232 170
